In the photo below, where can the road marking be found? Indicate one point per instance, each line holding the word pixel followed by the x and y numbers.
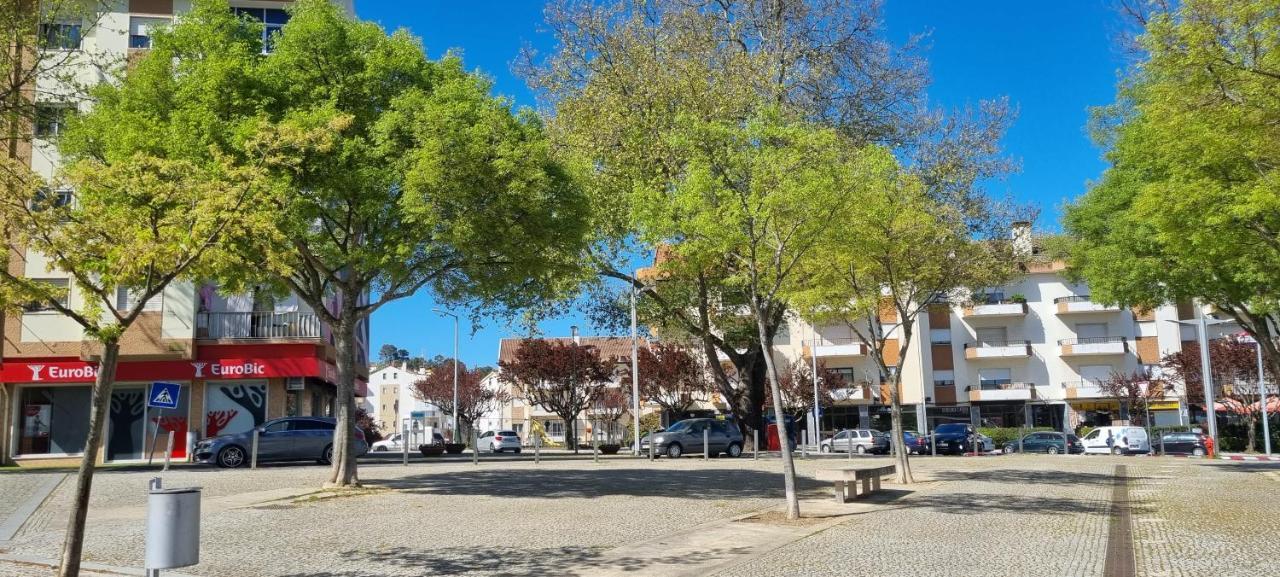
pixel 1119 560
pixel 10 526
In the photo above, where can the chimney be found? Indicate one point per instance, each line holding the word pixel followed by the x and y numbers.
pixel 1021 235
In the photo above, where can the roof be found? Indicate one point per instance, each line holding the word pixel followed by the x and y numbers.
pixel 609 347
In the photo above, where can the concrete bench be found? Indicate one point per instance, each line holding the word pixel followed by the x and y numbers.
pixel 846 479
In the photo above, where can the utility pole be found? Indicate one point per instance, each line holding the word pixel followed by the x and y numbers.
pixel 1206 375
pixel 456 432
pixel 817 405
pixel 1262 393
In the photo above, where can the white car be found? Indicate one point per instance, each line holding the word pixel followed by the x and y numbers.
pixel 389 444
pixel 499 441
pixel 1117 441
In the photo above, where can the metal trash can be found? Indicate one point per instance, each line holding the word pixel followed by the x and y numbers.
pixel 173 527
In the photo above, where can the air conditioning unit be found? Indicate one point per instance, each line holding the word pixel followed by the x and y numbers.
pixel 295 384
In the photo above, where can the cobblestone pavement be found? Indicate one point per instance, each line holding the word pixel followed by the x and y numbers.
pixel 1016 515
pixel 16 487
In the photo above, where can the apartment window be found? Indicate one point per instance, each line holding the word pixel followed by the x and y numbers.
pixel 60 36
pixel 60 286
pixel 141 28
pixel 993 378
pixel 126 299
pixel 272 20
pixel 992 336
pixel 944 378
pixel 555 428
pixel 989 297
pixel 1094 374
pixel 939 336
pixel 1087 332
pixel 845 373
pixel 45 199
pixel 51 119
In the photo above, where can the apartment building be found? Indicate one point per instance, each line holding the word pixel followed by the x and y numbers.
pixel 240 358
pixel 392 402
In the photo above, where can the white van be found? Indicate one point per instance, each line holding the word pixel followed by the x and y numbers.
pixel 1117 441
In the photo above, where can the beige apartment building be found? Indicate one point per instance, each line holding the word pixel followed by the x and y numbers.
pixel 240 359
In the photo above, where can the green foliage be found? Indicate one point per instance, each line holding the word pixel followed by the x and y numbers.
pixel 649 422
pixel 1001 436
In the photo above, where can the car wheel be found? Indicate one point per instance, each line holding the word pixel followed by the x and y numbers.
pixel 326 457
pixel 494 449
pixel 1198 452
pixel 1117 451
pixel 862 449
pixel 1053 450
pixel 231 457
pixel 826 448
pixel 1010 448
pixel 517 451
pixel 675 450
pixel 735 450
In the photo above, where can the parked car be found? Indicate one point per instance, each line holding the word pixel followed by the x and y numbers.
pixel 1185 443
pixel 860 441
pixel 1047 442
pixel 957 438
pixel 285 439
pixel 915 443
pixel 392 443
pixel 686 437
pixel 1117 441
pixel 499 441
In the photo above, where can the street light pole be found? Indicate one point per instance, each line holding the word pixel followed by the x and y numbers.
pixel 635 376
pixel 1206 375
pixel 455 369
pixel 1262 398
pixel 813 354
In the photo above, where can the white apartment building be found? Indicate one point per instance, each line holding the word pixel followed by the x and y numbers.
pixel 393 403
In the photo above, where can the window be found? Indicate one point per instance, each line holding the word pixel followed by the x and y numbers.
pixel 46 199
pixel 272 19
pixel 944 378
pixel 60 36
pixel 992 336
pixel 1091 332
pixel 555 428
pixel 140 29
pixel 939 336
pixel 126 299
pixel 51 119
pixel 845 373
pixel 993 378
pixel 60 286
pixel 276 427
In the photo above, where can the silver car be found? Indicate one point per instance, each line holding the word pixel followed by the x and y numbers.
pixel 860 441
pixel 499 441
pixel 287 439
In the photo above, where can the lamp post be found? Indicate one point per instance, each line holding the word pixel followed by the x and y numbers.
pixel 1262 392
pixel 455 369
pixel 1206 375
pixel 817 404
pixel 635 376
pixel 573 383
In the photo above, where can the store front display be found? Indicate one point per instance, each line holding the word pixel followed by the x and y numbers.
pixel 54 420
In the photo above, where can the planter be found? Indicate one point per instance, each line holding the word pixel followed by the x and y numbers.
pixel 610 449
pixel 431 450
pixel 454 448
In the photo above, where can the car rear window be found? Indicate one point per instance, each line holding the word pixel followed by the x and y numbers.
pixel 506 433
pixel 309 425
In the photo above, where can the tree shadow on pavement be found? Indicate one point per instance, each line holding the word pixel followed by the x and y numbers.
pixel 984 503
pixel 509 562
pixel 587 483
pixel 1027 477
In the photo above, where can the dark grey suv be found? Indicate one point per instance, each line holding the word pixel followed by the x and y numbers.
pixel 686 437
pixel 287 439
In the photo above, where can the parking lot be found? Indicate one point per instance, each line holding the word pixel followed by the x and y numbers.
pixel 999 515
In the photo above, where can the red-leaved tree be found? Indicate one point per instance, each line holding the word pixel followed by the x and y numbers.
pixel 671 377
pixel 474 400
pixel 796 386
pixel 610 405
pixel 1234 368
pixel 1134 392
pixel 563 378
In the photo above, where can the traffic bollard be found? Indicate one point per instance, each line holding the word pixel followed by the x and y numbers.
pixel 706 444
pixel 1021 433
pixel 253 459
pixel 755 445
pixel 404 445
pixel 475 447
pixel 849 444
pixel 537 452
pixel 595 443
pixel 804 444
pixel 168 451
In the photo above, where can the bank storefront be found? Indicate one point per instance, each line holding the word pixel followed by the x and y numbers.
pixel 49 408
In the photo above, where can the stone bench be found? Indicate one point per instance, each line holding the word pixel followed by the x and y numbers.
pixel 846 479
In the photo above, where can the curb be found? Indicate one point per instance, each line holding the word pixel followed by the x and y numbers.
pixel 1273 459
pixel 90 568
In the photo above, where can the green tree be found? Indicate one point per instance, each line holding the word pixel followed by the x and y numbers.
pixel 152 203
pixel 906 245
pixel 430 183
pixel 1189 207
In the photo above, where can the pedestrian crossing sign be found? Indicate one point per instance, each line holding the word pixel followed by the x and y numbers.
pixel 163 395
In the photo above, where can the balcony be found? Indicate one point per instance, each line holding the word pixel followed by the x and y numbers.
pixel 1083 390
pixel 1081 304
pixel 257 326
pixel 996 309
pixel 852 395
pixel 1001 392
pixel 1094 346
pixel 830 348
pixel 997 350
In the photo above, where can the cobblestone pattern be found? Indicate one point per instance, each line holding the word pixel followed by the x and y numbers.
pixel 16 487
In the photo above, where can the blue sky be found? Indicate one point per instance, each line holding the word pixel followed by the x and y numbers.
pixel 1053 60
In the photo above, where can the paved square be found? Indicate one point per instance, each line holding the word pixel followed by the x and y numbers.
pixel 1013 515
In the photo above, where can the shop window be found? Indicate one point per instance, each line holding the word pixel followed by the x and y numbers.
pixel 234 407
pixel 54 420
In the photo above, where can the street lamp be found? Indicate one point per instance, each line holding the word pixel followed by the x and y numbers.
pixel 455 369
pixel 813 355
pixel 635 376
pixel 1262 392
pixel 1206 375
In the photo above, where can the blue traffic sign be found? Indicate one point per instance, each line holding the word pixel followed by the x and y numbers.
pixel 163 395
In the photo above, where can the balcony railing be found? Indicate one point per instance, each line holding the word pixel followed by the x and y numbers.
pixel 257 325
pixel 1001 308
pixel 847 347
pixel 1083 390
pixel 1094 346
pixel 997 350
pixel 1001 392
pixel 1081 304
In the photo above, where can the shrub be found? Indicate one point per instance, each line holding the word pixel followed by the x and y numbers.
pixel 1001 436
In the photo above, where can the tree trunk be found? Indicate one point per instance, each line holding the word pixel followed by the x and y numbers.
pixel 100 401
pixel 784 443
pixel 900 452
pixel 1252 446
pixel 571 432
pixel 343 472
